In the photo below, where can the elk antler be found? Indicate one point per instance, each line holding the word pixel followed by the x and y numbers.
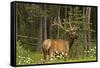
pixel 71 28
pixel 63 24
pixel 58 23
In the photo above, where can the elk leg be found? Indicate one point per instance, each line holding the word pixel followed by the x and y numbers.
pixel 51 54
pixel 44 53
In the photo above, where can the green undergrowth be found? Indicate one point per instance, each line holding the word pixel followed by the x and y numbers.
pixel 25 56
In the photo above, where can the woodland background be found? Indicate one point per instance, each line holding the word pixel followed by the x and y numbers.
pixel 34 24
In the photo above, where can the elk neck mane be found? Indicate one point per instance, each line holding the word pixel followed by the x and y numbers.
pixel 70 41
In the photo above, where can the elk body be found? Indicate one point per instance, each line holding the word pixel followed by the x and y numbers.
pixel 53 47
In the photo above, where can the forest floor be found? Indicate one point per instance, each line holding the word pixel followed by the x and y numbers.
pixel 37 58
pixel 26 57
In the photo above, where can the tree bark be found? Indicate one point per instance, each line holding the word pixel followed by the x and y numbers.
pixel 58 19
pixel 45 23
pixel 89 33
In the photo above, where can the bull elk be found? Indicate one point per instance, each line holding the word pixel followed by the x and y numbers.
pixel 53 47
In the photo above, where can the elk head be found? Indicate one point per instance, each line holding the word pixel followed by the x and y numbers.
pixel 73 35
pixel 53 47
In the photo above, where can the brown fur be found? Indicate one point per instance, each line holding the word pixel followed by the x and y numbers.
pixel 52 47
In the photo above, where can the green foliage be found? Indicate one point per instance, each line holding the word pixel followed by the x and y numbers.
pixel 22 55
pixel 91 53
pixel 27 56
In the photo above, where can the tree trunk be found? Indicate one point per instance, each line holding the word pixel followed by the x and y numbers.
pixel 45 23
pixel 58 19
pixel 40 34
pixel 89 33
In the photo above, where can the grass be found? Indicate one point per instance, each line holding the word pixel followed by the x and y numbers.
pixel 25 56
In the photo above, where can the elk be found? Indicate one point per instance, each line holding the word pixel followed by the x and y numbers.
pixel 53 47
